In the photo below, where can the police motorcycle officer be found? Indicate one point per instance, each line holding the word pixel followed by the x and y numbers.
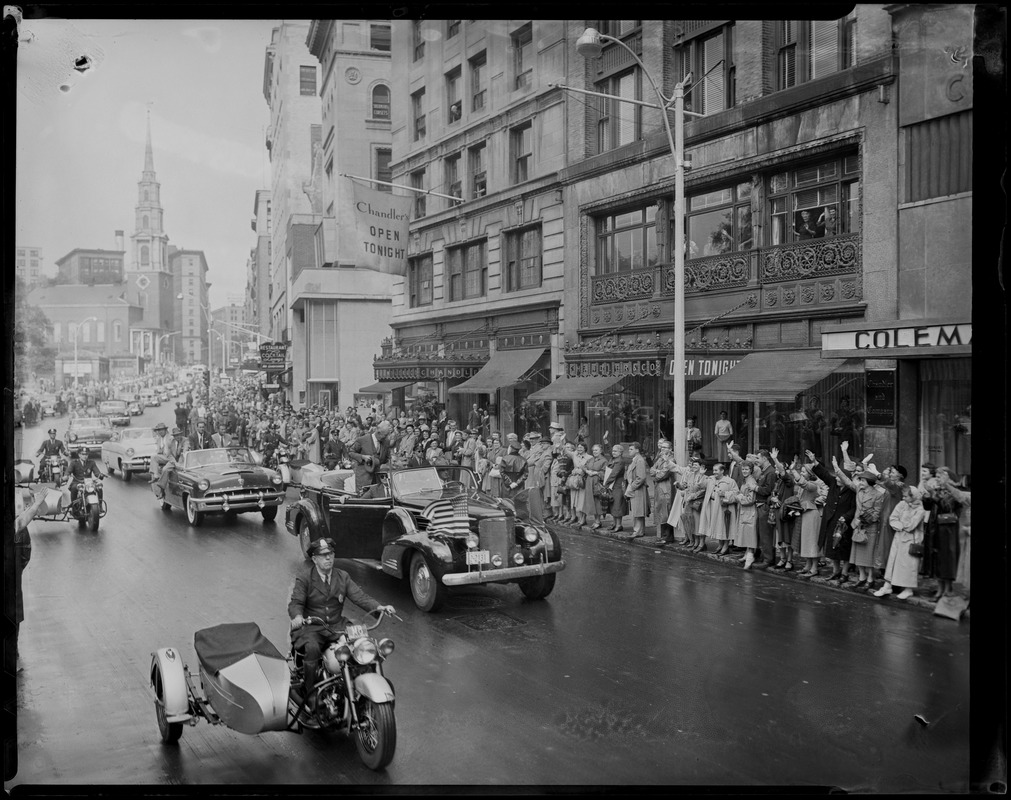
pixel 50 447
pixel 78 470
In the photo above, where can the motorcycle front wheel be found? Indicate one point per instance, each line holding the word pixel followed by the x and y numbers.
pixel 376 738
pixel 94 515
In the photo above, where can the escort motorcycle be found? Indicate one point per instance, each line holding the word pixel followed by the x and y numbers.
pixel 51 469
pixel 87 509
pixel 281 462
pixel 246 684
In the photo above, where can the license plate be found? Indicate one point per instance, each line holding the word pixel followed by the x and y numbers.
pixel 356 631
pixel 478 557
pixel 92 498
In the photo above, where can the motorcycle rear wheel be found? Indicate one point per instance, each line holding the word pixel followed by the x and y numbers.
pixel 376 739
pixel 170 731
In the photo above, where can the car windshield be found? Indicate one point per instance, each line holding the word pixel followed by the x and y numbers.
pixel 132 434
pixel 90 424
pixel 219 456
pixel 427 481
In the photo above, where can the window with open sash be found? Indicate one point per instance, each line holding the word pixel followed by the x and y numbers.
pixel 418 182
pixel 478 170
pixel 719 221
pixel 384 172
pixel 521 142
pixel 478 90
pixel 452 182
pixel 815 201
pixel 419 281
pixel 523 56
pixel 618 122
pixel 417 40
pixel 811 49
pixel 454 105
pixel 418 114
pixel 710 60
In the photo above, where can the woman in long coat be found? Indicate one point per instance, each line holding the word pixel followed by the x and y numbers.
pixel 812 494
pixel 836 529
pixel 746 534
pixel 662 473
pixel 594 469
pixel 614 482
pixel 868 512
pixel 687 506
pixel 944 520
pixel 892 482
pixel 577 497
pixel 906 520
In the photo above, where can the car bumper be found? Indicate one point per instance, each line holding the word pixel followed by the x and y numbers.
pixel 497 575
pixel 121 420
pixel 247 501
pixel 137 463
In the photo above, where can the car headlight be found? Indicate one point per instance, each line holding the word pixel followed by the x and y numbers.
pixel 496 560
pixel 72 437
pixel 472 542
pixel 276 479
pixel 365 651
pixel 129 451
pixel 530 535
pixel 203 486
pixel 517 558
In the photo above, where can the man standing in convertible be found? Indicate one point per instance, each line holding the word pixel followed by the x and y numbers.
pixel 320 589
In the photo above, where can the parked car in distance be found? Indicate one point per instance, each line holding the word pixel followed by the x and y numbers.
pixel 116 410
pixel 90 433
pixel 432 526
pixel 135 408
pixel 129 451
pixel 149 397
pixel 222 479
pixel 47 406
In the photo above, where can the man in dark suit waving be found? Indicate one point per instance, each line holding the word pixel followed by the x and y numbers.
pixel 200 439
pixel 368 453
pixel 320 589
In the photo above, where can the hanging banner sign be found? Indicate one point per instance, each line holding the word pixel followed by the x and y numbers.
pixel 382 220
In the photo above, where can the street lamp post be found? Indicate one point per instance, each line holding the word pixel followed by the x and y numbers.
pixel 158 343
pixel 210 320
pixel 590 45
pixel 77 333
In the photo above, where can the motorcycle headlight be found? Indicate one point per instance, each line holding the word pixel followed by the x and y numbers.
pixel 276 479
pixel 473 542
pixel 343 652
pixel 530 534
pixel 365 651
pixel 203 486
pixel 129 451
pixel 385 647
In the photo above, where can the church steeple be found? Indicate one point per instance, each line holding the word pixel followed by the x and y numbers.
pixel 148 151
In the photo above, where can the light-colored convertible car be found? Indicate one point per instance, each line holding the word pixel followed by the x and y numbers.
pixel 129 451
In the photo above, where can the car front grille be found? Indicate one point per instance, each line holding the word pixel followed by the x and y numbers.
pixel 496 535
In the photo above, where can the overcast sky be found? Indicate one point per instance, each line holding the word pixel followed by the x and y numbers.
pixel 80 149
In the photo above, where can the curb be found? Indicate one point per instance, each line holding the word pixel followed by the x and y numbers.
pixel 916 602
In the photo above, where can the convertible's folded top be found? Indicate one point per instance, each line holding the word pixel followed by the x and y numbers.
pixel 224 645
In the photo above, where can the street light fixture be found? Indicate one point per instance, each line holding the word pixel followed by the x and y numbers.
pixel 590 45
pixel 77 332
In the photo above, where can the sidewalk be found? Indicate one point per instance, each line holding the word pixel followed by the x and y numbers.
pixel 920 599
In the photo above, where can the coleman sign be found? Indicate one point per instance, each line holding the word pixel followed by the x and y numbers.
pixel 273 355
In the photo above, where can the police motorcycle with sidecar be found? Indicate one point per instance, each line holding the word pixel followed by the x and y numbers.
pixel 246 684
pixel 87 508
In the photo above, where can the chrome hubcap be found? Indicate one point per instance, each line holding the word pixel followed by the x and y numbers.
pixel 422 580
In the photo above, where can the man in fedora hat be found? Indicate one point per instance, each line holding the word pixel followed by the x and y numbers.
pixel 161 454
pixel 538 466
pixel 512 468
pixel 320 590
pixel 173 451
pixel 635 490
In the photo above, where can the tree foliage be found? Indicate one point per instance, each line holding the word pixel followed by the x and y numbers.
pixel 33 348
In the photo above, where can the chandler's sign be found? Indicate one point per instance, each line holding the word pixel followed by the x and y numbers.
pixel 381 219
pixel 696 367
pixel 900 339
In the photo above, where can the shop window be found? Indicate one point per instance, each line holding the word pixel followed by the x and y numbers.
pixel 626 240
pixel 946 413
pixel 468 271
pixel 381 102
pixel 628 415
pixel 807 50
pixel 618 122
pixel 815 201
pixel 523 259
pixel 719 221
pixel 710 60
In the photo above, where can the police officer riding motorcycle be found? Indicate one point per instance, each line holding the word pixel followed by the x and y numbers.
pixel 53 454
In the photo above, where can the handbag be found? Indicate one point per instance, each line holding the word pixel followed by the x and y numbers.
pixel 916 550
pixel 574 481
pixel 947 518
pixel 859 536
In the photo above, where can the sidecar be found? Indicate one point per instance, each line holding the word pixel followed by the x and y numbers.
pixel 243 682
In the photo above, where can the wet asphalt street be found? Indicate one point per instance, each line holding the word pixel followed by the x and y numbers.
pixel 643 667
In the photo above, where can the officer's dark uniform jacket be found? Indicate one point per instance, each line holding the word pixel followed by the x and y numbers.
pixel 311 598
pixel 52 447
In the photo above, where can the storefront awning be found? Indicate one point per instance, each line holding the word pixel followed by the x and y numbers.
pixel 504 368
pixel 385 386
pixel 775 376
pixel 574 388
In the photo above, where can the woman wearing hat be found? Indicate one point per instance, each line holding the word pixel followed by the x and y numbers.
pixel 593 510
pixel 662 472
pixel 746 532
pixel 947 500
pixel 687 505
pixel 906 520
pixel 614 482
pixel 865 523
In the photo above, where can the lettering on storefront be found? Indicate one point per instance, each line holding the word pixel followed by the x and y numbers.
pixel 879 401
pixel 382 219
pixel 921 337
pixel 698 368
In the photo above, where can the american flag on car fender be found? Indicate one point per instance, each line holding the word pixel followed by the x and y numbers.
pixel 442 515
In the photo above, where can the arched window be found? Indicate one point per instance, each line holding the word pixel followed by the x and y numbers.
pixel 145 252
pixel 381 102
pixel 71 330
pixel 100 331
pixel 117 331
